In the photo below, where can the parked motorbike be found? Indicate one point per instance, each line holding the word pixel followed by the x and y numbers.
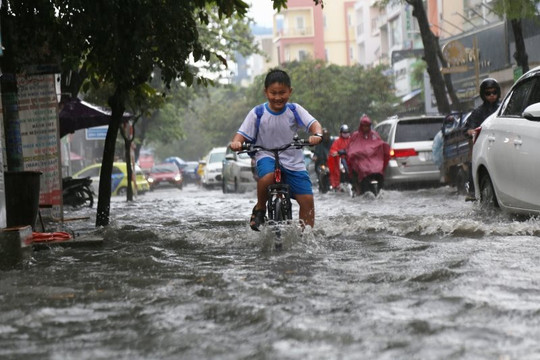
pixel 77 192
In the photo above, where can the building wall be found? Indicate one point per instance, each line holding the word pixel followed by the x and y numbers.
pixel 327 33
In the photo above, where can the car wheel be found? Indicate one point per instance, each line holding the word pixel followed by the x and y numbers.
pixel 122 191
pixel 461 181
pixel 488 199
pixel 224 186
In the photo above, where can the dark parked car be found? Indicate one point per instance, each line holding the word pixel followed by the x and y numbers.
pixel 189 172
pixel 165 174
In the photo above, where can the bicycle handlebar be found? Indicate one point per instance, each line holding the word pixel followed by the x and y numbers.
pixel 298 143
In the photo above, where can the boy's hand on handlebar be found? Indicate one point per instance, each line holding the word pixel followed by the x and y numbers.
pixel 315 140
pixel 235 145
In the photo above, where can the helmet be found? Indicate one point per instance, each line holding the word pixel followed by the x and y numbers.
pixel 344 128
pixel 488 84
pixel 365 120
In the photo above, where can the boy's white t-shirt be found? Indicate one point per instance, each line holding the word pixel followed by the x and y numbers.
pixel 277 130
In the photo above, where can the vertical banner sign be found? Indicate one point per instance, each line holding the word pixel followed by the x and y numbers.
pixel 38 115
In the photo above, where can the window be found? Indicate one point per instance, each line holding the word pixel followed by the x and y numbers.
pixel 535 94
pixel 216 157
pixel 516 102
pixel 92 172
pixel 300 23
pixel 395 33
pixel 302 55
pixel 417 130
pixel 384 132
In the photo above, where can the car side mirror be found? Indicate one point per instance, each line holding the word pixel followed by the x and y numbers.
pixel 229 157
pixel 532 112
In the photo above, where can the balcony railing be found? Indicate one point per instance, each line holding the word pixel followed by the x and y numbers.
pixel 307 31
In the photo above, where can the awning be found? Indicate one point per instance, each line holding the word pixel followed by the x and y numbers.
pixel 78 114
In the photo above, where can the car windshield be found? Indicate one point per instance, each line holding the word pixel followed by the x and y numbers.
pixel 216 157
pixel 243 156
pixel 417 130
pixel 164 168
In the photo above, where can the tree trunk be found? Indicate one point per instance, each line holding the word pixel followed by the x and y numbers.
pixel 129 166
pixel 456 104
pixel 522 59
pixel 430 43
pixel 117 104
pixel 12 124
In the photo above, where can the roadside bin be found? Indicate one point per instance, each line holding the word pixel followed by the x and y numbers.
pixel 22 197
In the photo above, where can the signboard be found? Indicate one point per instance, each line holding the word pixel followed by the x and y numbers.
pixel 38 116
pixel 97 133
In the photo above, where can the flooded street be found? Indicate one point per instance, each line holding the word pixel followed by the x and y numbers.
pixel 417 274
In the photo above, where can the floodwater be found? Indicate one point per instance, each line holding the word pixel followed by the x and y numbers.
pixel 418 274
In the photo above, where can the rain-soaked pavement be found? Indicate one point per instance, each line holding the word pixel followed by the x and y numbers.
pixel 417 274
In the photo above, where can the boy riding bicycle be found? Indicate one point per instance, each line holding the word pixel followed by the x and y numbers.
pixel 276 126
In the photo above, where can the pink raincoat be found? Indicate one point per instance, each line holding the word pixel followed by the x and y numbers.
pixel 367 153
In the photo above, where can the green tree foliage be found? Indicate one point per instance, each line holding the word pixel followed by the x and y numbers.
pixel 114 41
pixel 332 94
pixel 341 94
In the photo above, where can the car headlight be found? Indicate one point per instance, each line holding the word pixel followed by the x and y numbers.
pixel 150 180
pixel 177 177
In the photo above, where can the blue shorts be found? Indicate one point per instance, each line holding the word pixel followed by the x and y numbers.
pixel 299 181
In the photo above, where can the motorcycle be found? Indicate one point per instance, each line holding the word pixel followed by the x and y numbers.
pixel 323 178
pixel 77 192
pixel 371 183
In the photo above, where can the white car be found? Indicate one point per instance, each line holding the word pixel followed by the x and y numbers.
pixel 212 171
pixel 237 173
pixel 506 169
pixel 411 155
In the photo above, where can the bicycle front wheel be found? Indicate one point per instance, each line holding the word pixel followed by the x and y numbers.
pixel 278 214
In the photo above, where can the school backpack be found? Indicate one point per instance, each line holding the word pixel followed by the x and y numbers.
pixel 259 110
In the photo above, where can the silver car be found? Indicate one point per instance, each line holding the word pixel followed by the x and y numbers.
pixel 506 170
pixel 237 174
pixel 411 157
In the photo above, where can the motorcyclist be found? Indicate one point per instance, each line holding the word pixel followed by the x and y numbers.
pixel 367 156
pixel 490 93
pixel 334 157
pixel 321 151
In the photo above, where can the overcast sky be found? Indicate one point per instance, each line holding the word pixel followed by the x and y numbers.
pixel 262 12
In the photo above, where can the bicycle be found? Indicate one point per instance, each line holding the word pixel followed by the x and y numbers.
pixel 279 206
